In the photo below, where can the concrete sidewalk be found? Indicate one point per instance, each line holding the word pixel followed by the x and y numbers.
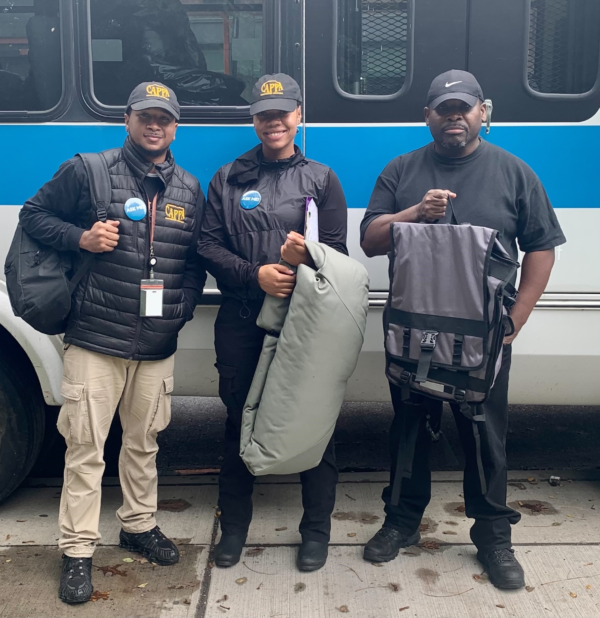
pixel 557 541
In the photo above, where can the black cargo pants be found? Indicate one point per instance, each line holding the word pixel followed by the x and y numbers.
pixel 238 344
pixel 493 517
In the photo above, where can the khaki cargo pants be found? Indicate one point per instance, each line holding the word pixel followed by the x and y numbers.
pixel 93 386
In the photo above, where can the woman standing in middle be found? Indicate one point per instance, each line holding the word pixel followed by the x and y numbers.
pixel 254 216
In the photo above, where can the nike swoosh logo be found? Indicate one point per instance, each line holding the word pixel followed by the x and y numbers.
pixel 452 83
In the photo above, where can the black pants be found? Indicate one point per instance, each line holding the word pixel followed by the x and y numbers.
pixel 238 343
pixel 493 517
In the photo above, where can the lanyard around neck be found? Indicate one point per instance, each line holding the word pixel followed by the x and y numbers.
pixel 152 211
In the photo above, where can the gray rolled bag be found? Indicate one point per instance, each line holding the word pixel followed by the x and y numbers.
pixel 310 351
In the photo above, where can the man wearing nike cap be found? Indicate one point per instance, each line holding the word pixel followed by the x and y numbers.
pixel 492 188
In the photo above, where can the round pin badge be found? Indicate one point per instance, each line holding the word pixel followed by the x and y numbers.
pixel 250 200
pixel 135 208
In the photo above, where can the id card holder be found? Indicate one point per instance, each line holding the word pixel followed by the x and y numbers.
pixel 151 298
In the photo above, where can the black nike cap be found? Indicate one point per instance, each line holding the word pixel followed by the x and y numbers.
pixel 277 91
pixel 154 94
pixel 454 84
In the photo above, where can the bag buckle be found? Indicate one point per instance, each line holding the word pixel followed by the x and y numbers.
pixel 460 396
pixel 429 339
pixel 405 377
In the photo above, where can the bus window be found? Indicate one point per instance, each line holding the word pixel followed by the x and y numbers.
pixel 30 55
pixel 372 43
pixel 209 53
pixel 564 41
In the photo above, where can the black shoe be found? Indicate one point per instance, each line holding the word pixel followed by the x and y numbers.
pixel 153 545
pixel 76 580
pixel 229 549
pixel 503 568
pixel 312 555
pixel 386 544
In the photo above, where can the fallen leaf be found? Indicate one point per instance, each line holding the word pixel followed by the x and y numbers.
pixel 476 577
pixel 179 587
pixel 299 587
pixel 187 602
pixel 531 479
pixel 9 560
pixel 143 585
pixel 224 598
pixel 451 523
pixel 403 608
pixel 369 519
pixel 573 595
pixel 588 564
pixel 450 532
pixel 501 606
pixel 351 534
pixel 394 587
pixel 21 520
pixel 461 508
pixel 127 559
pixel 557 523
pixel 27 541
pixel 255 551
pixel 174 506
pixel 571 516
pixel 7 537
pixel 144 561
pixel 241 580
pixel 113 570
pixel 280 529
pixel 588 587
pixel 530 588
pixel 97 595
pixel 377 564
pixel 344 609
pixel 520 503
pixel 430 545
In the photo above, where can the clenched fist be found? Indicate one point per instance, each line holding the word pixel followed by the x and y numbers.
pixel 276 280
pixel 102 237
pixel 433 205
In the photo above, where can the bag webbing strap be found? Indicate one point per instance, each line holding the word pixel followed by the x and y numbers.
pixel 100 195
pixel 406 454
pixel 459 341
pixel 406 342
pixel 428 342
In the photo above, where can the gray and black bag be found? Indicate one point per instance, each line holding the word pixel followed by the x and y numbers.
pixel 447 315
pixel 40 280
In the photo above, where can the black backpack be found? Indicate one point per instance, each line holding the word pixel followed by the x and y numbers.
pixel 40 280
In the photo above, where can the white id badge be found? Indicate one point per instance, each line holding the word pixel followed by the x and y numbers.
pixel 151 298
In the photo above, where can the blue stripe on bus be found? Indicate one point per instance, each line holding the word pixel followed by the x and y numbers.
pixel 563 156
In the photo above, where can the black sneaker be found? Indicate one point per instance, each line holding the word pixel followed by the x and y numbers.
pixel 312 555
pixel 76 580
pixel 153 545
pixel 229 550
pixel 502 568
pixel 386 544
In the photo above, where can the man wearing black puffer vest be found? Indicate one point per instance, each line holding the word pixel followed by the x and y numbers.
pixel 121 336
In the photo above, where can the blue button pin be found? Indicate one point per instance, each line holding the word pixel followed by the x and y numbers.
pixel 250 200
pixel 135 208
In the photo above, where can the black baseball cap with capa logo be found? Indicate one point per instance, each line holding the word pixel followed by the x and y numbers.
pixel 154 94
pixel 454 84
pixel 277 91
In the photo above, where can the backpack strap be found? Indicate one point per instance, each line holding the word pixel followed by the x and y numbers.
pixel 100 195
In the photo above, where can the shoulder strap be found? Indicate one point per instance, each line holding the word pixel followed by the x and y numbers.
pixel 100 194
pixel 97 171
pixel 453 219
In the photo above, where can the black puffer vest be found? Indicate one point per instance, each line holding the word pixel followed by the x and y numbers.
pixel 106 304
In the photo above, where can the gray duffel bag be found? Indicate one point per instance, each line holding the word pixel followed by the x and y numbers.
pixel 310 351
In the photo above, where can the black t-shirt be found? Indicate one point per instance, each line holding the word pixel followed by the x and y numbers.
pixel 493 189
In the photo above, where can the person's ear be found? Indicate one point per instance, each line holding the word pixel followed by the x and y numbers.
pixel 426 113
pixel 127 118
pixel 484 112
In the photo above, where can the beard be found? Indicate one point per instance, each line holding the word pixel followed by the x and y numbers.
pixel 148 154
pixel 454 145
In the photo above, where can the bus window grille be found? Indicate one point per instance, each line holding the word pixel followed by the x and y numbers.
pixel 372 46
pixel 564 41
